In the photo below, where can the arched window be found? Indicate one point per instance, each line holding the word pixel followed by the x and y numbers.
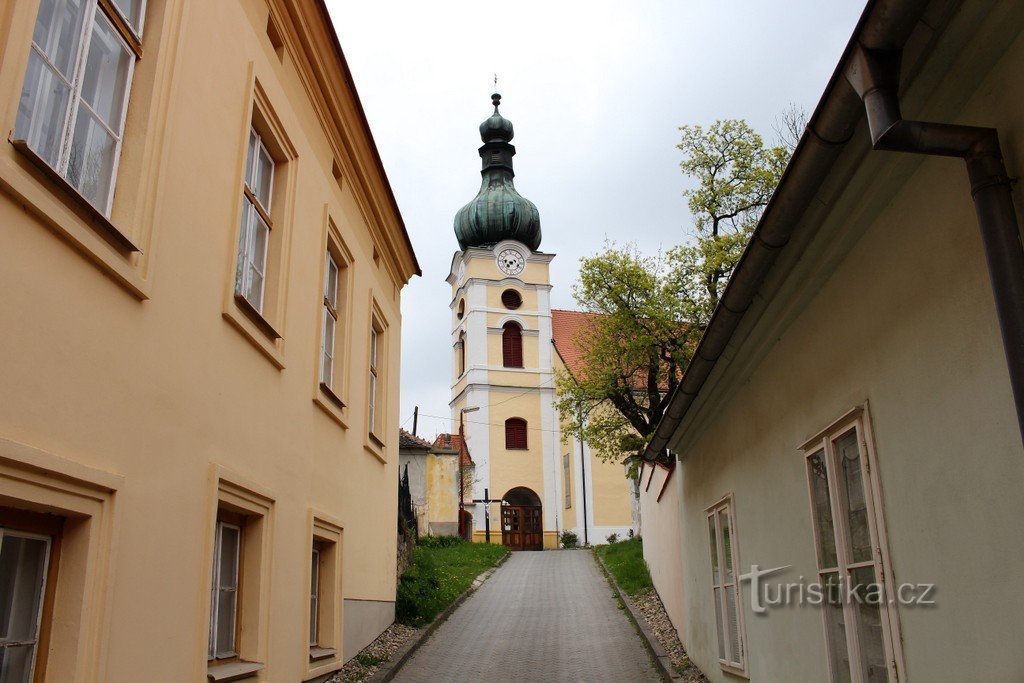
pixel 462 309
pixel 512 346
pixel 461 350
pixel 515 433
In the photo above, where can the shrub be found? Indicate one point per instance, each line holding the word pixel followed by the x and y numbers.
pixel 569 539
pixel 439 541
pixel 612 538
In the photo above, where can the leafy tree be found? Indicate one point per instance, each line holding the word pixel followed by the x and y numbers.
pixel 635 349
pixel 652 310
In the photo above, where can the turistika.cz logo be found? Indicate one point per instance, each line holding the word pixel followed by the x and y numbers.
pixel 764 595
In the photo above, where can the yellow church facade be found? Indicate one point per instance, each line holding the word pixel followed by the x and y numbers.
pixel 531 480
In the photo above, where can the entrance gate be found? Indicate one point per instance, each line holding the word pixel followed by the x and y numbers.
pixel 522 526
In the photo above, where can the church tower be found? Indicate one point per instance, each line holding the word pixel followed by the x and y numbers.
pixel 503 371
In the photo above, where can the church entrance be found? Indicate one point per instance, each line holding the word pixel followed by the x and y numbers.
pixel 522 527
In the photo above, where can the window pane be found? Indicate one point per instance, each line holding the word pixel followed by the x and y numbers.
pixel 243 247
pixel 720 623
pixel 373 348
pixel 226 623
pixel 331 283
pixel 327 364
pixel 723 524
pixel 714 551
pixel 41 110
pixel 16 664
pixel 264 177
pixel 22 568
pixel 229 546
pixel 91 164
pixel 869 625
pixel 823 525
pixel 836 628
pixel 851 482
pixel 313 635
pixel 132 11
pixel 58 31
pixel 259 235
pixel 250 178
pixel 106 75
pixel 373 398
pixel 732 612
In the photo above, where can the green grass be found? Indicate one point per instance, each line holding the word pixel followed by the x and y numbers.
pixel 438 575
pixel 625 560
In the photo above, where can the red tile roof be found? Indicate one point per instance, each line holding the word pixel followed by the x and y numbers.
pixel 454 443
pixel 566 328
pixel 407 440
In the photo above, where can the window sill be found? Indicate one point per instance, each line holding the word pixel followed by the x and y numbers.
pixel 110 230
pixel 60 208
pixel 729 669
pixel 317 654
pixel 375 446
pixel 255 328
pixel 235 671
pixel 331 403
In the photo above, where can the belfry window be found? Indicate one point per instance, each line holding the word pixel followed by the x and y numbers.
pixel 515 433
pixel 512 345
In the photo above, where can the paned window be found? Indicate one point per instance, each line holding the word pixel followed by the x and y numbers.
pixel 567 479
pixel 224 591
pixel 330 321
pixel 314 599
pixel 512 346
pixel 857 631
pixel 76 90
pixel 24 560
pixel 724 563
pixel 515 433
pixel 254 236
pixel 374 376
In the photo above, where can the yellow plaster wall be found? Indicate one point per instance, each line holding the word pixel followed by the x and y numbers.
pixel 128 366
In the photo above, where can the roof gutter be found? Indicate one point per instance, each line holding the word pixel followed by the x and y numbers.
pixel 884 25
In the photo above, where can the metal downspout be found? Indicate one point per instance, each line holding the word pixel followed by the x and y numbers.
pixel 874 74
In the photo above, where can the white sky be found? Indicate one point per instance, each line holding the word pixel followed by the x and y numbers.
pixel 596 91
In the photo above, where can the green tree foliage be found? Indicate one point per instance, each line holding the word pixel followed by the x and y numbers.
pixel 652 310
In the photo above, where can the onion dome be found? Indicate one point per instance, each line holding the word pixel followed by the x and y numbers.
pixel 498 212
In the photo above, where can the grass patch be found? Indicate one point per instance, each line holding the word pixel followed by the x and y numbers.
pixel 625 560
pixel 369 660
pixel 438 575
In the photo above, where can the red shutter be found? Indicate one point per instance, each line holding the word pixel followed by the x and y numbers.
pixel 515 433
pixel 512 346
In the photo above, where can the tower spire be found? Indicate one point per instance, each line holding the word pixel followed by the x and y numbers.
pixel 498 212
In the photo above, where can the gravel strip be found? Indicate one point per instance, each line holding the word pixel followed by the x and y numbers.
pixel 649 604
pixel 364 664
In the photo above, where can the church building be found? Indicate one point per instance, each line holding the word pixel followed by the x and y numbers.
pixel 532 481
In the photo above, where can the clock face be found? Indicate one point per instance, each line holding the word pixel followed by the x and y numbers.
pixel 511 261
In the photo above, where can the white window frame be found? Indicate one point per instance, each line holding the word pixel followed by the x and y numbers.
pixel 856 419
pixel 330 306
pixel 42 589
pixel 314 599
pixel 249 233
pixel 93 12
pixel 215 589
pixel 733 662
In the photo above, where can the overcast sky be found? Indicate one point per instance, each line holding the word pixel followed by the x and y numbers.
pixel 596 91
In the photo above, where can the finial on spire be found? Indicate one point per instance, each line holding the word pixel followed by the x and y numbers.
pixel 496 97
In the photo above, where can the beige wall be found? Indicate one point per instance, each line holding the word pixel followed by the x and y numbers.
pixel 661 524
pixel 889 304
pixel 142 376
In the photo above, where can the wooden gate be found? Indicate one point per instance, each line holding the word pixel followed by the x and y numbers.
pixel 521 527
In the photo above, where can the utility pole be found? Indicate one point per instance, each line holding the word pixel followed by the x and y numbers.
pixel 462 470
pixel 415 419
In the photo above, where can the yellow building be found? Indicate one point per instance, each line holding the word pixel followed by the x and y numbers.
pixel 531 481
pixel 200 268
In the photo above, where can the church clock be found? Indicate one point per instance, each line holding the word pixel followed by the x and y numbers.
pixel 511 262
